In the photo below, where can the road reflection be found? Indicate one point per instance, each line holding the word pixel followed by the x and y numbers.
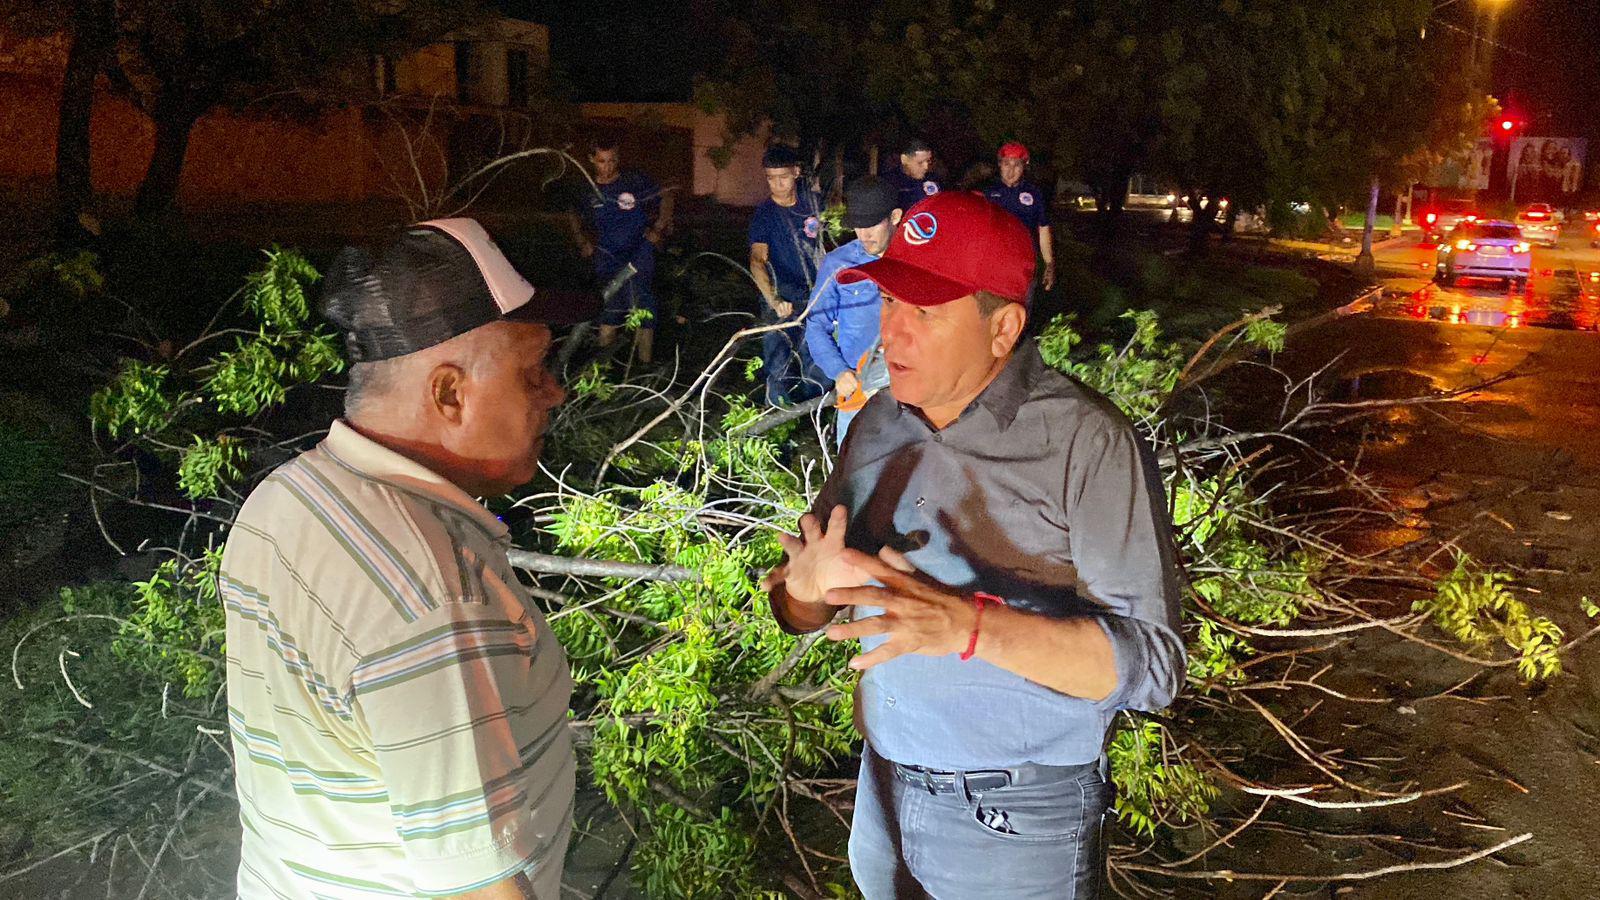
pixel 1564 298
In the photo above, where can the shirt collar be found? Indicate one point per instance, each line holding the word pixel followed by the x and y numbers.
pixel 373 460
pixel 1004 396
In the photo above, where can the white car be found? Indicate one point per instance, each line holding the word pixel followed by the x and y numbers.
pixel 1540 224
pixel 1492 249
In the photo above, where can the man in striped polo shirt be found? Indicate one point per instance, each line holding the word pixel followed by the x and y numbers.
pixel 397 706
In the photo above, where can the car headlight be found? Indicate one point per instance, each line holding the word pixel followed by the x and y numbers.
pixel 1465 244
pixel 1521 247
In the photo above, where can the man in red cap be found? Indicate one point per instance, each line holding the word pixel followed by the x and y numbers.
pixel 998 533
pixel 1023 199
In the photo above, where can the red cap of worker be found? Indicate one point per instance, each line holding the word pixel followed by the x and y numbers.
pixel 1014 150
pixel 950 245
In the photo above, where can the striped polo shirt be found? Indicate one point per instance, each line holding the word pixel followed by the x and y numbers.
pixel 398 708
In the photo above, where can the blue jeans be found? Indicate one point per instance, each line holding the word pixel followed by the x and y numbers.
pixel 842 427
pixel 785 360
pixel 1028 841
pixel 637 293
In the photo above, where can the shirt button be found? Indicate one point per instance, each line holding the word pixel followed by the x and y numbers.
pixel 938 438
pixel 889 701
pixel 921 500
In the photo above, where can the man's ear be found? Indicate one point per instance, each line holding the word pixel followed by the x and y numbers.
pixel 894 218
pixel 445 391
pixel 1005 328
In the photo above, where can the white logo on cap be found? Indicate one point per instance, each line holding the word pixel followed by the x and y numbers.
pixel 930 188
pixel 1026 198
pixel 920 229
pixel 626 200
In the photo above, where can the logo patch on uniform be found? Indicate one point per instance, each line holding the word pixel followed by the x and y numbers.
pixel 920 229
pixel 1025 198
pixel 930 188
pixel 813 226
pixel 626 200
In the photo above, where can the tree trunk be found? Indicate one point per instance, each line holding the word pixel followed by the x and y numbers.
pixel 1365 263
pixel 90 38
pixel 1200 224
pixel 174 121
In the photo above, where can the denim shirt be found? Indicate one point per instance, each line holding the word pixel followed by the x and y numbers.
pixel 843 321
pixel 1042 493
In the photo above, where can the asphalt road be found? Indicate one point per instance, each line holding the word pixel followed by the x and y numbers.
pixel 1564 291
pixel 1510 473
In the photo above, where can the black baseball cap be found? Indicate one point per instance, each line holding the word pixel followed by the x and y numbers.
pixel 435 281
pixel 868 201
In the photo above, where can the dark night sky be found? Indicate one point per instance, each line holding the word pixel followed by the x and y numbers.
pixel 1546 53
pixel 1547 65
pixel 624 49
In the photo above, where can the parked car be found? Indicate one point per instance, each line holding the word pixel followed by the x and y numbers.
pixel 1594 233
pixel 1491 249
pixel 1442 219
pixel 1540 224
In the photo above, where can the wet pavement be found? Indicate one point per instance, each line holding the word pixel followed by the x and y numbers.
pixel 1510 473
pixel 1564 291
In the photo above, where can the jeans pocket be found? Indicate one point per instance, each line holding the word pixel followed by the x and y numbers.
pixel 1037 813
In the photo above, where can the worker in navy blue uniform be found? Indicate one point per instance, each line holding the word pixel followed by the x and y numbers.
pixel 911 178
pixel 1019 196
pixel 785 248
pixel 628 215
pixel 842 327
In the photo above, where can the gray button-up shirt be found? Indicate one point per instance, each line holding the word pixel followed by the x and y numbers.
pixel 1041 493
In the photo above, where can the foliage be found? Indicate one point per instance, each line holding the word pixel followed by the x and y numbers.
pixel 52 286
pixel 1476 607
pixel 1153 790
pixel 57 795
pixel 35 450
pixel 1259 101
pixel 190 414
pixel 175 625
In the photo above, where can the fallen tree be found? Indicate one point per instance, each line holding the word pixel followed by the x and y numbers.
pixel 720 740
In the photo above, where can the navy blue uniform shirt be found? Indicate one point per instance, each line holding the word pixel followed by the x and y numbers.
pixel 793 235
pixel 1023 201
pixel 622 212
pixel 912 190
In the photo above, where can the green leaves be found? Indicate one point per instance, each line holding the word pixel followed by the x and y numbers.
pixel 1476 607
pixel 189 413
pixel 138 400
pixel 1153 789
pixel 205 467
pixel 276 293
pixel 176 628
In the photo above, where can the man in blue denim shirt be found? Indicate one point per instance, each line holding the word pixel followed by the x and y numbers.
pixel 999 532
pixel 842 324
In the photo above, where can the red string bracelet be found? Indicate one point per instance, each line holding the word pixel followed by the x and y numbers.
pixel 980 600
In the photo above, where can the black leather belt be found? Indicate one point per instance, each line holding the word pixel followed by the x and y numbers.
pixel 935 781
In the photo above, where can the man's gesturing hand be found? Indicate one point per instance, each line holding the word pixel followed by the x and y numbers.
pixel 817 562
pixel 919 614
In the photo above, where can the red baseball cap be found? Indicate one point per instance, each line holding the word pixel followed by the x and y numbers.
pixel 1014 150
pixel 950 245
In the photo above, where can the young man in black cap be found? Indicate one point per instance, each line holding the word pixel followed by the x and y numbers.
pixel 842 327
pixel 398 705
pixel 785 247
pixel 910 177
